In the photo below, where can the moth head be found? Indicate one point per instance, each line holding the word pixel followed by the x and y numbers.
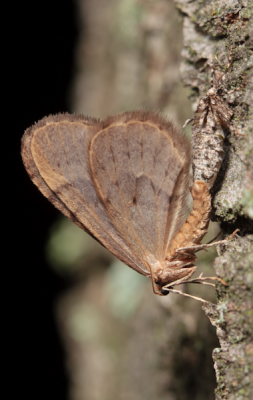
pixel 175 273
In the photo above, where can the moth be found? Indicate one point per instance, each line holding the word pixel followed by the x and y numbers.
pixel 125 181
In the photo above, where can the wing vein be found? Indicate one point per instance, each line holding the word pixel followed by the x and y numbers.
pixel 65 153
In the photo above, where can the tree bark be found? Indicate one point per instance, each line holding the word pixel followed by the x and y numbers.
pixel 215 29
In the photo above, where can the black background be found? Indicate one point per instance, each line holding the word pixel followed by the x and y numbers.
pixel 41 39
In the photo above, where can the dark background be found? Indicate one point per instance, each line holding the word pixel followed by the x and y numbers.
pixel 39 70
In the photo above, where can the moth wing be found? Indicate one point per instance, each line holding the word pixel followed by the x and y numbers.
pixel 55 152
pixel 140 167
pixel 123 180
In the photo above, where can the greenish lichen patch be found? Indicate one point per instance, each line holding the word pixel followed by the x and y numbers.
pixel 247 203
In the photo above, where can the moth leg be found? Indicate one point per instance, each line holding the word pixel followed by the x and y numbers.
pixel 187 122
pixel 200 279
pixel 180 256
pixel 170 287
pixel 204 280
pixel 207 245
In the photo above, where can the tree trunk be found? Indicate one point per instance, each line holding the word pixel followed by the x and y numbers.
pixel 222 28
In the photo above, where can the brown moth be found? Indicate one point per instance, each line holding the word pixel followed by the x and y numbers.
pixel 125 181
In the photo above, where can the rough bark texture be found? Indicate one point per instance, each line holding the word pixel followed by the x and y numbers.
pixel 211 28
